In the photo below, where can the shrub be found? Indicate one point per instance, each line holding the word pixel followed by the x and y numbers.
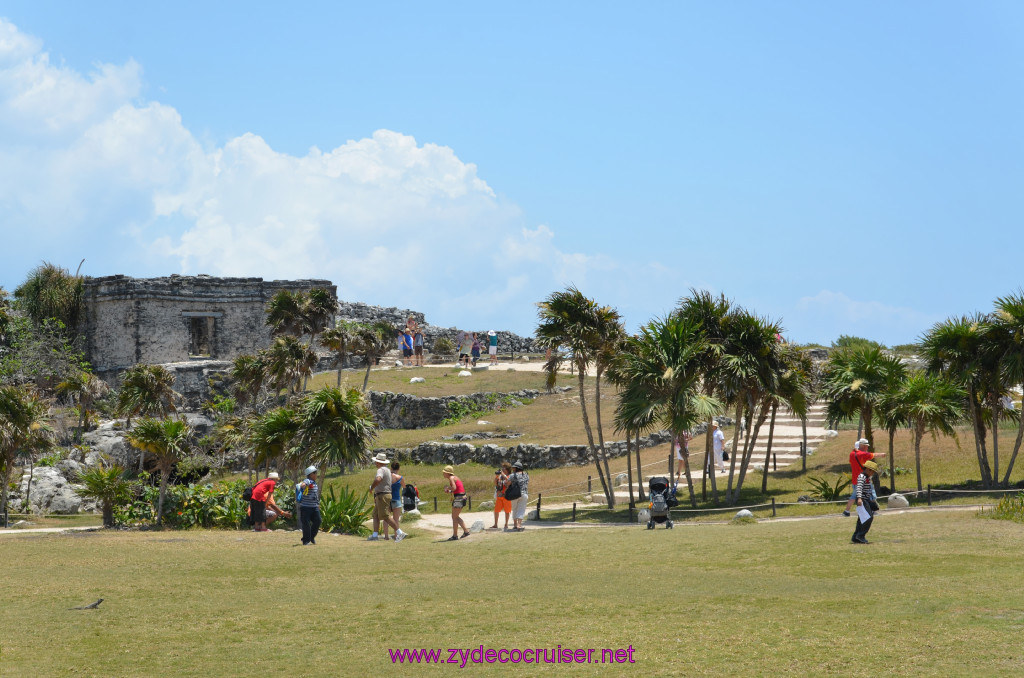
pixel 345 512
pixel 188 506
pixel 50 459
pixel 444 346
pixel 822 488
pixel 1010 508
pixel 107 485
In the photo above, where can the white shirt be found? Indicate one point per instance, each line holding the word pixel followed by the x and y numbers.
pixel 385 485
pixel 719 440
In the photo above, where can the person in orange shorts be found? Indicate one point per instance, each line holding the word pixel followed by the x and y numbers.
pixel 500 503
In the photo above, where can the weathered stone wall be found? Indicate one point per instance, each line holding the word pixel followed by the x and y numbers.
pixel 402 410
pixel 532 456
pixel 134 320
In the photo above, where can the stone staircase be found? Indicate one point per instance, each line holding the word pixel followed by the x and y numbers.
pixel 786 444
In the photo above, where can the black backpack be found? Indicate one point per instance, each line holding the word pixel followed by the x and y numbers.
pixel 409 495
pixel 247 494
pixel 512 490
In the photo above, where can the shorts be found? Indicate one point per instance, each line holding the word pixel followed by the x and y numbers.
pixel 419 350
pixel 407 352
pixel 382 505
pixel 502 504
pixel 462 355
pixel 492 350
pixel 476 353
pixel 256 509
pixel 459 501
pixel 396 503
pixel 519 507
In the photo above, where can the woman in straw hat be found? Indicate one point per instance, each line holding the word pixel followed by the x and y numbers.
pixel 458 492
pixel 867 506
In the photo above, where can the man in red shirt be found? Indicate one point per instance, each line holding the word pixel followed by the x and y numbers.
pixel 858 456
pixel 263 496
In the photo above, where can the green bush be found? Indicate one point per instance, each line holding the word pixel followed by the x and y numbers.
pixel 443 346
pixel 188 506
pixel 345 512
pixel 109 486
pixel 1010 508
pixel 826 490
pixel 50 459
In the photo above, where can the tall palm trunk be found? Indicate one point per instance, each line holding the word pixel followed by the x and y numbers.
pixel 689 478
pixel 639 467
pixel 593 448
pixel 748 451
pixel 979 439
pixel 1016 447
pixel 735 445
pixel 165 477
pixel 629 471
pixel 867 412
pixel 918 434
pixel 366 378
pixel 892 462
pixel 995 440
pixel 27 503
pixel 768 453
pixel 600 429
pixel 803 453
pixel 4 489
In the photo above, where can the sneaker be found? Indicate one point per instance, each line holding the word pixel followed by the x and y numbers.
pixel 373 537
pixel 465 534
pixel 400 536
pixel 452 538
pixel 846 513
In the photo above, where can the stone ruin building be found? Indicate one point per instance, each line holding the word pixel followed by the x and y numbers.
pixel 195 323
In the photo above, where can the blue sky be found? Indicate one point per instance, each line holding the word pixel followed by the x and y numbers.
pixel 846 169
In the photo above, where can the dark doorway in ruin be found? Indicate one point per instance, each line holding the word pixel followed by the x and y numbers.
pixel 200 337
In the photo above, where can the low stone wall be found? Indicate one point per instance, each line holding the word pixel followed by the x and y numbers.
pixel 406 411
pixel 532 456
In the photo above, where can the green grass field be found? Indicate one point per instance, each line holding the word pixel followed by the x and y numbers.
pixel 935 594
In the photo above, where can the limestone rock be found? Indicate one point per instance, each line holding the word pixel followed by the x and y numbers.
pixel 465 373
pixel 50 493
pixel 532 515
pixel 477 526
pixel 644 516
pixel 830 434
pixel 486 505
pixel 896 500
pixel 417 380
pixel 621 480
pixel 743 513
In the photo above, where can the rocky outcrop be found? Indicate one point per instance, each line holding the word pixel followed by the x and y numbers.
pixel 407 411
pixel 51 492
pixel 532 456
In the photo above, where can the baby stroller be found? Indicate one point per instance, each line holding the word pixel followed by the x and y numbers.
pixel 663 497
pixel 410 497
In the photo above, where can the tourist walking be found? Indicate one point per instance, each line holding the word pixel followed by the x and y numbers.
pixel 307 501
pixel 475 349
pixel 262 500
pixel 500 502
pixel 381 491
pixel 867 502
pixel 464 342
pixel 521 479
pixel 858 456
pixel 397 485
pixel 458 492
pixel 718 445
pixel 682 447
pixel 417 347
pixel 492 346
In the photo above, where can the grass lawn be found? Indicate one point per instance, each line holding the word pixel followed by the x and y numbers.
pixel 935 594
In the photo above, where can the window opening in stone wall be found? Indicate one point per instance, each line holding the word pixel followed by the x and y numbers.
pixel 200 331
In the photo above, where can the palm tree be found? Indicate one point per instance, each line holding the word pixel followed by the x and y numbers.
pixel 248 372
pixel 854 379
pixel 85 389
pixel 793 390
pixel 891 413
pixel 5 315
pixel 106 484
pixel 931 404
pixel 168 440
pixel 51 292
pixel 284 314
pixel 335 427
pixel 1007 336
pixel 571 321
pixel 662 380
pixel 959 349
pixel 371 341
pixel 23 427
pixel 146 390
pixel 340 340
pixel 287 362
pixel 272 435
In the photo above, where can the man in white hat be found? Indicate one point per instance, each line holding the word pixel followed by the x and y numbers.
pixel 858 456
pixel 718 445
pixel 262 499
pixel 381 490
pixel 492 346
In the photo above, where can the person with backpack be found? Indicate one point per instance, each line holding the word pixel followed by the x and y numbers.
pixel 262 498
pixel 307 503
pixel 397 482
pixel 500 502
pixel 516 493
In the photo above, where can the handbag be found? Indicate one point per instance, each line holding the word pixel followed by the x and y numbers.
pixel 512 490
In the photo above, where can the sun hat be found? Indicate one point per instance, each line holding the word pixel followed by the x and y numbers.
pixel 448 469
pixel 518 464
pixel 871 465
pixel 491 333
pixel 273 475
pixel 714 423
pixel 381 458
pixel 862 442
pixel 310 470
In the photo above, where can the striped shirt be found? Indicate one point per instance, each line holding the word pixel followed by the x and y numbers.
pixel 865 488
pixel 310 494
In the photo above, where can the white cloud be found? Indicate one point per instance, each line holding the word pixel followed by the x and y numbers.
pixel 84 161
pixel 843 315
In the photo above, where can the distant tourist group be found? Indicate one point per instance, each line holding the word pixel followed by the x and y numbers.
pixel 469 345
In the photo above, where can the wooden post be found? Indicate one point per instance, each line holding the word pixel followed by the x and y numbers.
pixel 775 462
pixel 631 518
pixel 773 507
pixel 539 495
pixel 469 502
pixel 590 489
pixel 929 495
pixel 435 504
pixel 574 512
pixel 803 457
